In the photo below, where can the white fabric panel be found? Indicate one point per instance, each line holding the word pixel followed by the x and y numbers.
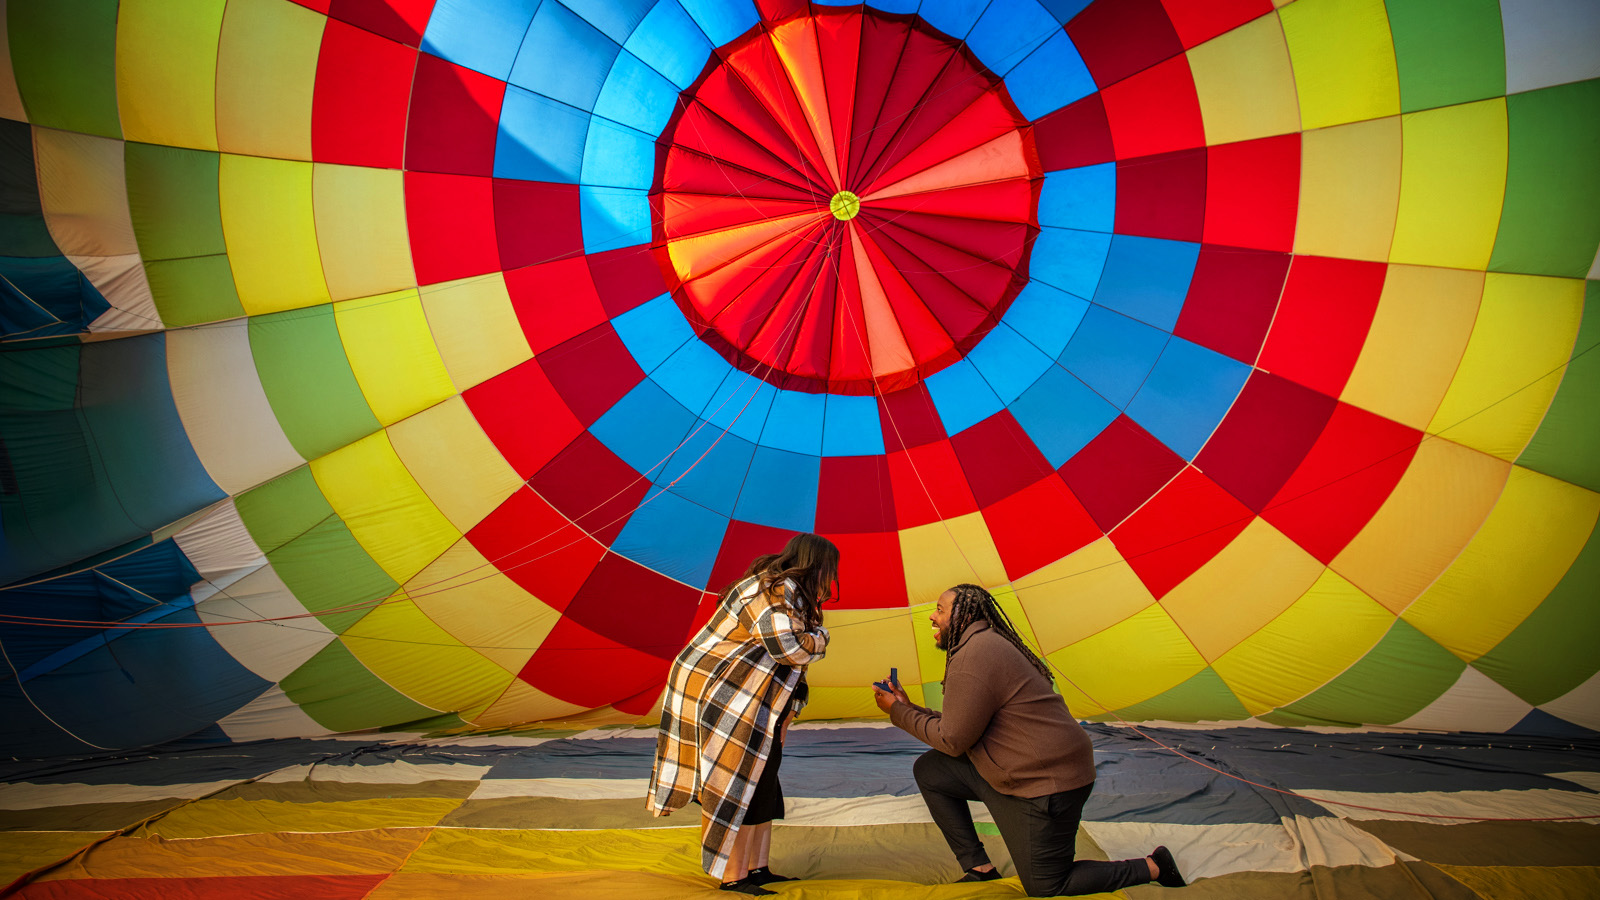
pixel 1475 702
pixel 10 97
pixel 269 649
pixel 1469 805
pixel 834 812
pixel 1590 780
pixel 567 789
pixel 40 796
pixel 1206 851
pixel 1550 42
pixel 122 281
pixel 1580 706
pixel 397 772
pixel 219 545
pixel 271 715
pixel 219 397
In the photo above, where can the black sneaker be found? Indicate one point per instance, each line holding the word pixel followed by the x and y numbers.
pixel 975 875
pixel 764 876
pixel 746 886
pixel 1167 874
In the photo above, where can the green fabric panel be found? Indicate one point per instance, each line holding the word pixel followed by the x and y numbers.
pixel 283 509
pixel 22 229
pixel 308 381
pixel 1404 673
pixel 172 198
pixel 1204 697
pixel 326 568
pixel 64 55
pixel 1551 221
pixel 1567 444
pixel 1447 51
pixel 1554 649
pixel 195 290
pixel 336 690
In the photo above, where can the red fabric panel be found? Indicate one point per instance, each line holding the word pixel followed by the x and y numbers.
pixel 592 486
pixel 1163 196
pixel 1120 37
pixel 320 6
pixel 592 371
pixel 871 573
pixel 931 469
pixel 1264 437
pixel 554 302
pixel 537 547
pixel 635 606
pixel 454 115
pixel 1198 21
pixel 1348 473
pixel 776 10
pixel 358 106
pixel 1075 135
pixel 1182 527
pixel 219 887
pixel 909 418
pixel 398 20
pixel 626 278
pixel 1038 525
pixel 451 218
pixel 742 543
pixel 1323 320
pixel 576 665
pixel 1231 300
pixel 1118 470
pixel 1253 193
pixel 523 415
pixel 1155 111
pixel 854 495
pixel 536 222
pixel 999 458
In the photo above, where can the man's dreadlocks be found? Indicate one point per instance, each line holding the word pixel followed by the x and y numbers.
pixel 974 604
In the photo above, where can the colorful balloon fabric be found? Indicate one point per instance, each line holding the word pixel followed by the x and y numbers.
pixel 431 364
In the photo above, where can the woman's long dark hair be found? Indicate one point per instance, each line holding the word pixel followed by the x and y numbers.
pixel 974 604
pixel 812 561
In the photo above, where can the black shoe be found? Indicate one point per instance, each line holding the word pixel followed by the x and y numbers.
pixel 764 876
pixel 975 875
pixel 1167 874
pixel 746 886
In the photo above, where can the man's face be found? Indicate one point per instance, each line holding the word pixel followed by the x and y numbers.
pixel 940 617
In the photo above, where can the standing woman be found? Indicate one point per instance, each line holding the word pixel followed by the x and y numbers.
pixel 730 696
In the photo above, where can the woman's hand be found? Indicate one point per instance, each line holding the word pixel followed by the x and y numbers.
pixel 783 729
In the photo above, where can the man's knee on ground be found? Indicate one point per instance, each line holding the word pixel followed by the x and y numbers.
pixel 925 768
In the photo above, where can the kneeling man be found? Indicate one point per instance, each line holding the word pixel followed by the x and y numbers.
pixel 1005 737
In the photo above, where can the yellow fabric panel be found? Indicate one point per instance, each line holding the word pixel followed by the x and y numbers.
pixel 1085 592
pixel 266 68
pixel 942 554
pixel 24 851
pixel 1513 364
pixel 1452 185
pixel 850 702
pixel 1418 334
pixel 1134 660
pixel 930 659
pixel 390 516
pixel 1433 511
pixel 467 596
pixel 166 71
pixel 220 817
pixel 1518 556
pixel 286 853
pixel 521 703
pixel 361 230
pixel 1349 190
pixel 270 233
pixel 454 462
pixel 413 655
pixel 1245 83
pixel 1543 882
pixel 1257 576
pixel 666 850
pixel 1344 68
pixel 83 193
pixel 391 352
pixel 475 328
pixel 864 644
pixel 1317 637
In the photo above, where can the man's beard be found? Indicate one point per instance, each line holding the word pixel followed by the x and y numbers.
pixel 939 639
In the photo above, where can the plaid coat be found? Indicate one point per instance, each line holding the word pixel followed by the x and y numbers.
pixel 719 716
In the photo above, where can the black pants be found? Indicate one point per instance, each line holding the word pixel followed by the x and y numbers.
pixel 1041 832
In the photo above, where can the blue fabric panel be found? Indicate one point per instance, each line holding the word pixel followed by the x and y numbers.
pixel 673 536
pixel 539 139
pixel 709 468
pixel 1008 362
pixel 644 427
pixel 563 57
pixel 618 156
pixel 616 19
pixel 46 296
pixel 953 17
pixel 692 375
pixel 962 397
pixel 482 35
pixel 1113 354
pixel 653 331
pixel 781 490
pixel 1147 278
pixel 1084 198
pixel 895 6
pixel 722 20
pixel 1069 260
pixel 1050 78
pixel 740 405
pixel 671 43
pixel 795 423
pixel 851 426
pixel 637 96
pixel 1046 317
pixel 1065 10
pixel 1187 394
pixel 613 217
pixel 1062 415
pixel 1008 31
